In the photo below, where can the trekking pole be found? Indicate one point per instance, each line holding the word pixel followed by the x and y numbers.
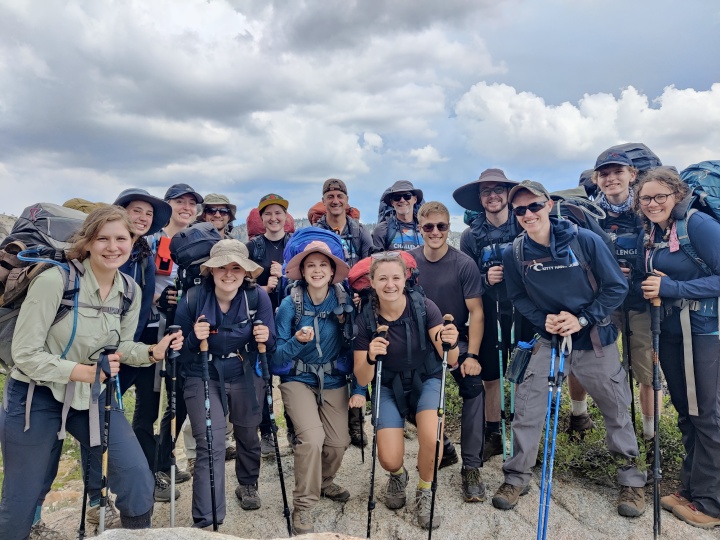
pixel 655 308
pixel 512 388
pixel 362 434
pixel 546 445
pixel 382 332
pixel 208 427
pixel 104 364
pixel 262 358
pixel 172 356
pixel 81 529
pixel 502 379
pixel 627 332
pixel 447 319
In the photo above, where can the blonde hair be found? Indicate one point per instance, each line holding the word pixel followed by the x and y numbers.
pixel 433 207
pixel 95 221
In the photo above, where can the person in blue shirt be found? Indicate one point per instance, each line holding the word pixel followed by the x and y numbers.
pixel 314 363
pixel 689 345
pixel 549 284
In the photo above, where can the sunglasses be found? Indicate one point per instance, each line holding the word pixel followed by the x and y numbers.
pixel 497 190
pixel 534 208
pixel 400 197
pixel 442 227
pixel 214 210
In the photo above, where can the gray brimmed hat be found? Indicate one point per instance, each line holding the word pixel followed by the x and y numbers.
pixel 294 267
pixel 536 188
pixel 468 196
pixel 402 186
pixel 161 210
pixel 231 251
pixel 216 199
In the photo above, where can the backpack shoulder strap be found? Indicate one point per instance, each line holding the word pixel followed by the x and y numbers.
pixel 369 316
pixel 258 248
pixel 251 301
pixel 583 262
pixel 419 313
pixel 518 248
pixel 129 291
pixel 686 244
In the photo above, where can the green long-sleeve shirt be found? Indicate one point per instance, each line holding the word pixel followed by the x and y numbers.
pixel 38 344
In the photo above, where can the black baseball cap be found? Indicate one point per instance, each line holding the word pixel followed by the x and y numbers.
pixel 178 190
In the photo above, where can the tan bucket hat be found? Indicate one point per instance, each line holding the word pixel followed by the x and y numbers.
pixel 231 251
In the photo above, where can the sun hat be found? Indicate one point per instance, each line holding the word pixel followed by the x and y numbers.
pixel 402 186
pixel 468 196
pixel 83 205
pixel 215 199
pixel 272 198
pixel 332 184
pixel 231 251
pixel 178 190
pixel 293 269
pixel 536 188
pixel 161 210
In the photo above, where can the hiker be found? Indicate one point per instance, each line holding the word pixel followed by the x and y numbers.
pixel 355 238
pixel 452 280
pixel 313 362
pixel 216 209
pixel 411 375
pixel 663 200
pixel 399 228
pixel 101 246
pixel 565 281
pixel 220 310
pixel 489 234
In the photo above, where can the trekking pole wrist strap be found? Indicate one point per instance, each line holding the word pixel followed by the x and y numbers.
pixel 369 361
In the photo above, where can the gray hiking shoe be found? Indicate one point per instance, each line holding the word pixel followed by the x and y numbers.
pixel 248 496
pixel 112 516
pixel 395 497
pixel 302 521
pixel 472 486
pixel 423 501
pixel 507 496
pixel 335 493
pixel 631 502
pixel 40 531
pixel 493 446
pixel 163 488
pixel 180 475
pixel 191 465
pixel 267 446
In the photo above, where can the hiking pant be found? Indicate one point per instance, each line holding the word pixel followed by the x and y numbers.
pixel 604 379
pixel 472 420
pixel 189 440
pixel 29 455
pixel 700 473
pixel 266 423
pixel 322 436
pixel 245 410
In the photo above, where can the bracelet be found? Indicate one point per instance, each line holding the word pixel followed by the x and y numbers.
pixel 454 346
pixel 151 354
pixel 472 355
pixel 371 362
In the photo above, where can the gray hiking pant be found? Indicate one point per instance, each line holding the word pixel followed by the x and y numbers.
pixel 604 379
pixel 472 420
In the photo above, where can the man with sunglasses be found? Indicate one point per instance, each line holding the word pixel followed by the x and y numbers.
pixel 452 280
pixel 399 228
pixel 489 234
pixel 565 281
pixel 216 209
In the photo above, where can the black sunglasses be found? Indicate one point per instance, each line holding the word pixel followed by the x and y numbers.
pixel 214 210
pixel 401 196
pixel 497 190
pixel 533 207
pixel 442 227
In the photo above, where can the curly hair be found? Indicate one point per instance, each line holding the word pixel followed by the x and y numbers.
pixel 671 180
pixel 90 229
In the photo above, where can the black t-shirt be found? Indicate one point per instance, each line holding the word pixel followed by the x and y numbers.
pixel 397 357
pixel 273 253
pixel 449 282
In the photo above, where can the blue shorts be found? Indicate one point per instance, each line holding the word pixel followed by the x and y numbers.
pixel 389 413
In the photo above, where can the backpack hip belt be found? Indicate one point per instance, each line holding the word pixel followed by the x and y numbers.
pixel 247 378
pixel 319 370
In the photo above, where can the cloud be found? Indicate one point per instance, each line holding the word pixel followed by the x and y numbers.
pixel 426 156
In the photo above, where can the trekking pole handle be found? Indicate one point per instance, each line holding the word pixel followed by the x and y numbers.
pixel 656 302
pixel 261 346
pixel 172 354
pixel 382 331
pixel 447 319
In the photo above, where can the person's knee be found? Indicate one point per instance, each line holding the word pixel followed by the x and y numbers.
pixel 311 439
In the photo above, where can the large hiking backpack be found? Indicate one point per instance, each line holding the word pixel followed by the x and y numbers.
pixel 255 226
pixel 641 156
pixel 304 236
pixel 190 248
pixel 574 205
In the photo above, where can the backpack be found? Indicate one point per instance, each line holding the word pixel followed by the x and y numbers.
pixel 190 248
pixel 574 205
pixel 641 156
pixel 359 275
pixel 303 237
pixel 256 247
pixel 255 226
pixel 385 210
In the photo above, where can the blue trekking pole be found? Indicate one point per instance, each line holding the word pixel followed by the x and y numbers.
pixel 551 384
pixel 565 350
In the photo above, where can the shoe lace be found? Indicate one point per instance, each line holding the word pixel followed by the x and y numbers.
pixel 472 476
pixel 506 489
pixel 628 494
pixel 396 484
pixel 162 480
pixel 424 501
pixel 304 516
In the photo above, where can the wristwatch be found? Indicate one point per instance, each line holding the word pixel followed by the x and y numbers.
pixel 150 354
pixel 583 321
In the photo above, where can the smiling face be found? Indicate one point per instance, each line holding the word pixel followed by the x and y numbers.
pixel 435 238
pixel 317 270
pixel 614 181
pixel 658 213
pixel 184 210
pixel 492 202
pixel 403 208
pixel 110 248
pixel 388 280
pixel 229 278
pixel 535 223
pixel 273 218
pixel 217 214
pixel 335 202
pixel 141 214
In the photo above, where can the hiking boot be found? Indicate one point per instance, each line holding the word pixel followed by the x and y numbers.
pixel 292 440
pixel 423 501
pixel 473 488
pixel 249 496
pixel 335 493
pixel 267 445
pixel 302 522
pixel 579 425
pixel 691 515
pixel 669 502
pixel 507 496
pixel 357 437
pixel 395 497
pixel 230 452
pixel 162 488
pixel 191 465
pixel 40 531
pixel 631 502
pixel 180 475
pixel 449 458
pixel 112 516
pixel 493 445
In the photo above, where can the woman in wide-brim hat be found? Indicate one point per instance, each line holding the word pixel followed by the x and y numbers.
pixel 225 303
pixel 313 364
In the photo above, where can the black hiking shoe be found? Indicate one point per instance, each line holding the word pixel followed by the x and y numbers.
pixel 472 486
pixel 579 425
pixel 493 445
pixel 507 496
pixel 163 488
pixel 292 440
pixel 248 496
pixel 449 458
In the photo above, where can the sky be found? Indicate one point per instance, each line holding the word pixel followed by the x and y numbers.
pixel 246 97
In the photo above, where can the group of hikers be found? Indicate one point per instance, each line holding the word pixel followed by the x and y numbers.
pixel 345 317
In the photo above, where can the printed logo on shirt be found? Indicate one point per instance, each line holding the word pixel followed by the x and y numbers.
pixel 405 239
pixel 541 267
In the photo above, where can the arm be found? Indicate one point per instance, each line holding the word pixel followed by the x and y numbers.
pixel 445 334
pixel 364 372
pixel 613 286
pixel 265 314
pixel 184 319
pixel 148 291
pixel 366 243
pixel 517 293
pixel 475 334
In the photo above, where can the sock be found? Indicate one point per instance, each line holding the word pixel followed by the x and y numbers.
pixel 400 471
pixel 422 484
pixel 578 407
pixel 492 427
pixel 648 427
pixel 38 514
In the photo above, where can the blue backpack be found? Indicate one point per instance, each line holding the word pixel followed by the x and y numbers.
pixel 303 237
